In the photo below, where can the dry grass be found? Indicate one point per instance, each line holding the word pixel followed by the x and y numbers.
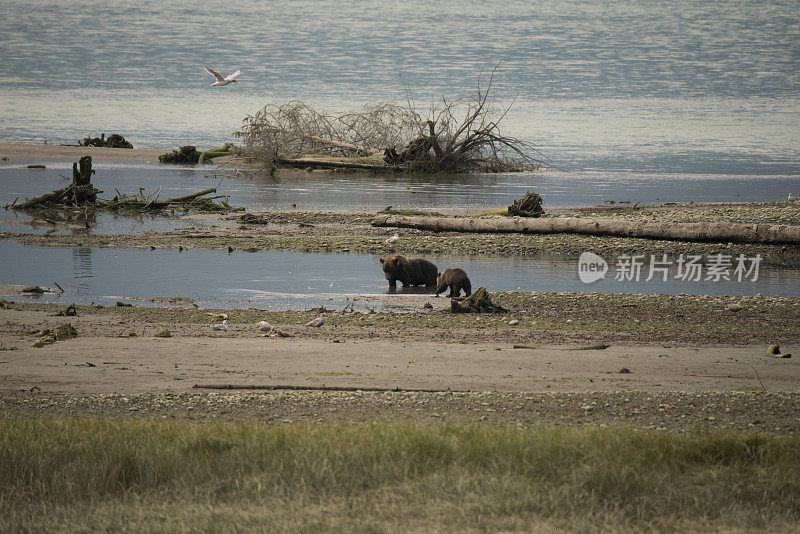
pixel 133 475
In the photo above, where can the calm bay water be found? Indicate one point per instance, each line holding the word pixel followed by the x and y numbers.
pixel 290 280
pixel 364 193
pixel 647 87
pixel 645 102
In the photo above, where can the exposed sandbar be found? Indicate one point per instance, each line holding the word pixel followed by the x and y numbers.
pixel 31 153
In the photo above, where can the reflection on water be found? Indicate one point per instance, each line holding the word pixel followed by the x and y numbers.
pixel 82 262
pixel 288 280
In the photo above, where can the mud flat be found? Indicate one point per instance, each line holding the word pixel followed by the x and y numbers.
pixel 30 152
pixel 301 231
pixel 570 345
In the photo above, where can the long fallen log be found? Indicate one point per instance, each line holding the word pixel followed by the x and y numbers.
pixel 699 231
pixel 336 144
pixel 333 164
pixel 197 201
pixel 186 198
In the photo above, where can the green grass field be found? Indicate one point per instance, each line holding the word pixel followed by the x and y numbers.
pixel 135 475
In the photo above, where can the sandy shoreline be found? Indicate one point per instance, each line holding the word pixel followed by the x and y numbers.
pixel 443 373
pixel 131 366
pixel 116 350
pixel 31 154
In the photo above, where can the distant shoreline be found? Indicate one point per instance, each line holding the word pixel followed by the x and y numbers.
pixel 33 153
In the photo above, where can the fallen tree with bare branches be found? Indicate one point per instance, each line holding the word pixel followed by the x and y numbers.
pixel 450 137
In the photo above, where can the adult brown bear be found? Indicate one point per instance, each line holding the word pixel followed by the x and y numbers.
pixel 456 280
pixel 414 272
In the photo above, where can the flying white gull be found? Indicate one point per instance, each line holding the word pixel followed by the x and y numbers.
pixel 319 321
pixel 220 80
pixel 223 326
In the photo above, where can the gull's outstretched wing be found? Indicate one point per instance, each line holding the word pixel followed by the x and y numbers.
pixel 234 75
pixel 215 74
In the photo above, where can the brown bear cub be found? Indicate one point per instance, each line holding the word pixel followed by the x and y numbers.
pixel 456 280
pixel 415 272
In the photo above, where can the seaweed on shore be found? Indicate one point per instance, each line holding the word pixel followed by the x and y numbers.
pixel 189 155
pixel 113 141
pixel 185 155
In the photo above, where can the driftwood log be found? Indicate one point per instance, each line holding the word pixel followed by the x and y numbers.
pixel 358 150
pixel 327 163
pixel 700 231
pixel 197 201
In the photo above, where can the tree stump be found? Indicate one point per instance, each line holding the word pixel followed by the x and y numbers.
pixel 79 191
pixel 528 206
pixel 84 175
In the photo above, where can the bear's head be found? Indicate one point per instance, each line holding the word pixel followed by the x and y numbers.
pixel 392 265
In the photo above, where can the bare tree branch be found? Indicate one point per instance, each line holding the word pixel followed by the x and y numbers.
pixel 458 136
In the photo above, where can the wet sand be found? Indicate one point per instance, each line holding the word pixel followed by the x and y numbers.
pixel 433 375
pixel 101 365
pixel 389 350
pixel 31 154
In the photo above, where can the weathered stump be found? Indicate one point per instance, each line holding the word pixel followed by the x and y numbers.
pixel 79 191
pixel 528 206
pixel 414 151
pixel 84 175
pixel 478 302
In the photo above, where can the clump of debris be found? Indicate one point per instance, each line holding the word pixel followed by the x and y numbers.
pixel 477 302
pixel 189 155
pixel 528 206
pixel 113 141
pixel 80 198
